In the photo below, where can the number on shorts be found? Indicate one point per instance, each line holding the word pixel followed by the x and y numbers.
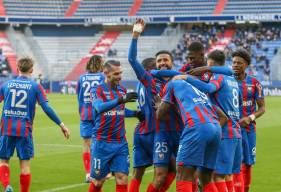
pixel 96 163
pixel 161 147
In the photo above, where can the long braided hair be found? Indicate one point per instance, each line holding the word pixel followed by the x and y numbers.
pixel 94 64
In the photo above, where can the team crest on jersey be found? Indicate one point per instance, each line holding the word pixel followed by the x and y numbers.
pixel 249 88
pixel 97 171
pixel 161 156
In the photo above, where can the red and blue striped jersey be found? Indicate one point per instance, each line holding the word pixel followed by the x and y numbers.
pixel 227 96
pixel 251 91
pixel 145 92
pixel 20 96
pixel 173 120
pixel 109 125
pixel 85 83
pixel 194 106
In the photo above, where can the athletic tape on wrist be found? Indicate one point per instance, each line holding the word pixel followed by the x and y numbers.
pixel 138 28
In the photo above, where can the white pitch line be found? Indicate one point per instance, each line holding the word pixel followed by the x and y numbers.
pixel 81 184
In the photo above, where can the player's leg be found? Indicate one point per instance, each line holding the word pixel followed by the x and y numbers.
pixel 184 178
pixel 96 185
pixel 7 147
pixel 161 161
pixel 249 158
pixel 173 145
pixel 238 177
pixel 4 173
pixel 210 141
pixel 86 133
pixel 247 170
pixel 224 162
pixel 121 182
pixel 236 169
pixel 119 165
pixel 136 179
pixel 142 158
pixel 25 152
pixel 101 155
pixel 190 155
pixel 25 176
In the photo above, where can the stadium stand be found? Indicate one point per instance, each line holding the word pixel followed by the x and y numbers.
pixel 90 8
pixel 262 42
pixel 177 8
pixel 72 8
pixel 63 47
pixel 2 8
pixel 252 7
pixel 36 8
pixel 8 51
pixel 100 48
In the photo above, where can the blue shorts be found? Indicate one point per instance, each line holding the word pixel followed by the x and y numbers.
pixel 199 146
pixel 23 145
pixel 166 145
pixel 143 150
pixel 109 157
pixel 249 147
pixel 229 157
pixel 86 129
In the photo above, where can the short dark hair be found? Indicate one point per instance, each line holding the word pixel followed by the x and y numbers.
pixel 149 63
pixel 196 46
pixel 108 64
pixel 24 64
pixel 243 53
pixel 165 52
pixel 94 64
pixel 217 56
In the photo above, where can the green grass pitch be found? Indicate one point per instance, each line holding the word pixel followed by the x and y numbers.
pixel 57 165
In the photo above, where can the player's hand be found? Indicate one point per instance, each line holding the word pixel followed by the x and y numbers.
pixel 140 116
pixel 65 131
pixel 245 121
pixel 180 77
pixel 138 27
pixel 128 97
pixel 199 71
pixel 156 102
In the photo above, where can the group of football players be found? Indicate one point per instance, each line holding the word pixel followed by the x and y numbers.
pixel 196 125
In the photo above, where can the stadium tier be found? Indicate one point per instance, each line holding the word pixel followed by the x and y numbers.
pixel 36 8
pixel 252 7
pixel 176 7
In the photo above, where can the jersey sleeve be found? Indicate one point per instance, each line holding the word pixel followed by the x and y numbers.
pixel 217 81
pixel 202 86
pixel 140 72
pixel 222 70
pixel 168 93
pixel 99 102
pixel 40 94
pixel 258 90
pixel 164 73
